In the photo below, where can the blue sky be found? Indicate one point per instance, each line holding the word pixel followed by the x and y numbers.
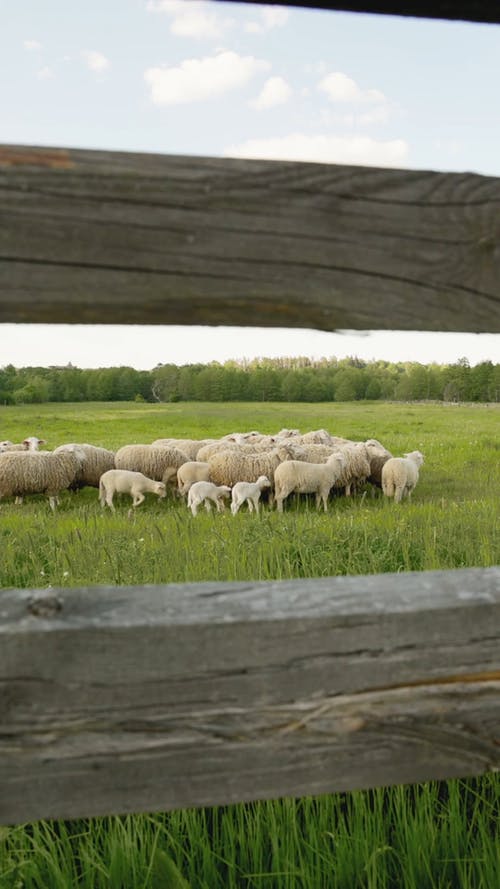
pixel 224 79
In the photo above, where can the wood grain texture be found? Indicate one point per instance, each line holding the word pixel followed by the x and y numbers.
pixel 466 10
pixel 104 237
pixel 139 699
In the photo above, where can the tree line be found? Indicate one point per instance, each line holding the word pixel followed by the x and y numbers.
pixel 262 379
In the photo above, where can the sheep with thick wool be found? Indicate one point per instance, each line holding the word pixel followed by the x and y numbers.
pixel 378 455
pixel 38 472
pixel 207 493
pixel 297 476
pixel 191 472
pixel 158 463
pixel 356 465
pixel 97 460
pixel 188 446
pixel 248 492
pixel 216 447
pixel 230 466
pixel 124 481
pixel 400 475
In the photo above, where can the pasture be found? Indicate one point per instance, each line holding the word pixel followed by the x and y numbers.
pixel 434 835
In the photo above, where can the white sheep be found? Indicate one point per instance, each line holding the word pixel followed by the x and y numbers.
pixel 97 460
pixel 400 475
pixel 378 455
pixel 158 463
pixel 307 478
pixel 190 472
pixel 188 446
pixel 32 443
pixel 124 481
pixel 248 492
pixel 231 466
pixel 38 472
pixel 207 493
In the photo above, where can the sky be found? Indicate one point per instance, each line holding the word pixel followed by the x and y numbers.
pixel 243 80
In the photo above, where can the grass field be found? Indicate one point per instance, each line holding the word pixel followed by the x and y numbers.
pixel 442 835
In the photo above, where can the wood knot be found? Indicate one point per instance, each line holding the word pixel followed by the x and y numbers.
pixel 44 605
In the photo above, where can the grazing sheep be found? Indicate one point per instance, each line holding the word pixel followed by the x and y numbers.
pixel 231 466
pixel 124 481
pixel 190 472
pixel 38 472
pixel 207 492
pixel 400 475
pixel 32 443
pixel 378 455
pixel 97 461
pixel 248 492
pixel 158 463
pixel 188 446
pixel 307 478
pixel 356 466
pixel 316 436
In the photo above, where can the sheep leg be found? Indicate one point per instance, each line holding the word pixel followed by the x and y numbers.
pixel 138 499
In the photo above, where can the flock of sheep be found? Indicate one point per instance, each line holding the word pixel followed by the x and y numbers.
pixel 241 466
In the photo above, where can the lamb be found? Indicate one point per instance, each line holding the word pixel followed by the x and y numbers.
pixel 124 481
pixel 307 478
pixel 32 443
pixel 400 475
pixel 158 463
pixel 248 492
pixel 206 492
pixel 96 462
pixel 190 472
pixel 38 472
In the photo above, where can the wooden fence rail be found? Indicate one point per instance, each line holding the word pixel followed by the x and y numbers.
pixel 98 237
pixel 128 700
pixel 137 699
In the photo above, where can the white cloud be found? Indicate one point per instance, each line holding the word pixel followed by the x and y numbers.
pixel 354 150
pixel 31 45
pixel 96 61
pixel 379 114
pixel 275 91
pixel 341 88
pixel 197 79
pixel 193 18
pixel 45 73
pixel 269 17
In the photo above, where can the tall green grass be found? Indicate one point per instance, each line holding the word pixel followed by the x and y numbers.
pixel 431 836
pixel 442 835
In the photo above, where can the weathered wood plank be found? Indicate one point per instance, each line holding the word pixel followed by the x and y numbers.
pixel 139 699
pixel 466 10
pixel 104 237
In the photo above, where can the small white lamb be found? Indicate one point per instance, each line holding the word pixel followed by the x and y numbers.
pixel 249 492
pixel 125 481
pixel 400 475
pixel 207 492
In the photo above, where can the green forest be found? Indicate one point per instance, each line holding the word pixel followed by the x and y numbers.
pixel 261 379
